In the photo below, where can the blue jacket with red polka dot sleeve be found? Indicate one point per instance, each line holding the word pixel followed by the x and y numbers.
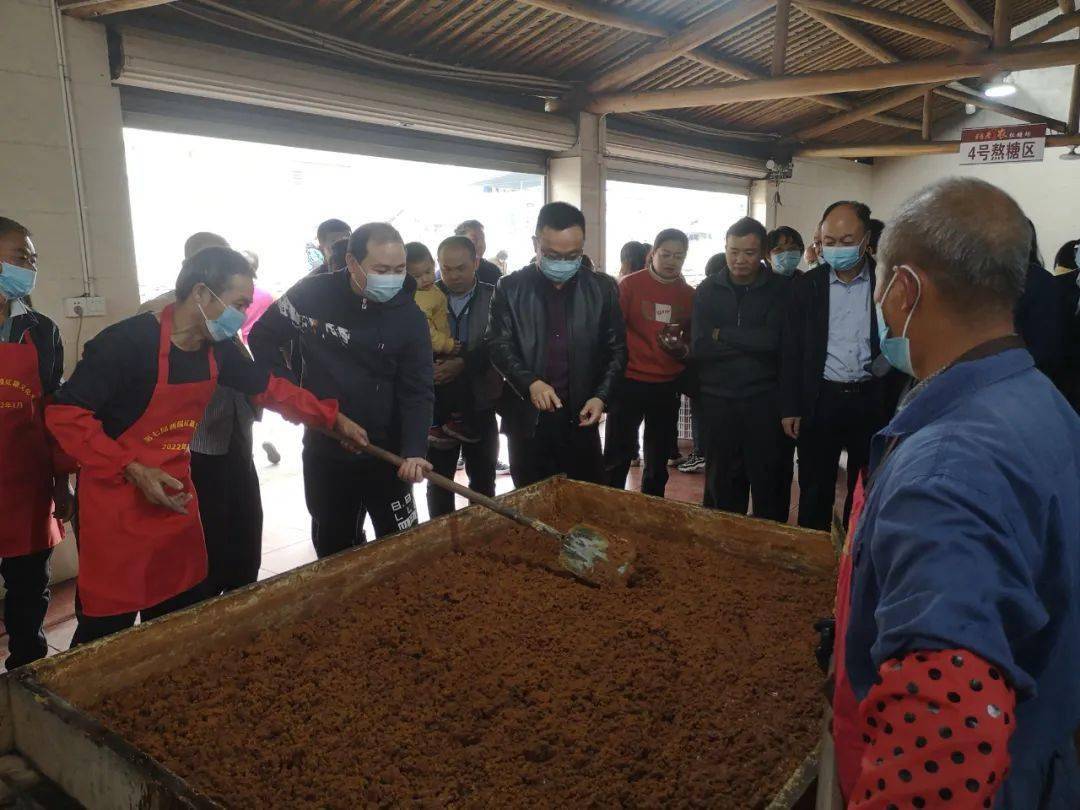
pixel 970 539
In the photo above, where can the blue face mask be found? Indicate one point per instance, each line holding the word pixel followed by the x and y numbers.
pixel 226 325
pixel 559 271
pixel 16 282
pixel 786 262
pixel 897 350
pixel 842 257
pixel 380 287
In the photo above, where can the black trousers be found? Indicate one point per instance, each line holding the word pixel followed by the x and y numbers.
pixel 26 579
pixel 341 493
pixel 657 404
pixel 743 441
pixel 557 446
pixel 480 461
pixel 91 628
pixel 846 417
pixel 230 505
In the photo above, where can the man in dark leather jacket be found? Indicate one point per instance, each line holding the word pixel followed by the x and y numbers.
pixel 556 335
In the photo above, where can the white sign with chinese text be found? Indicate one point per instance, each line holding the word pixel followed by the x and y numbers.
pixel 1013 144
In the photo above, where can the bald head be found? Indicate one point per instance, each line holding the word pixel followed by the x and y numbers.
pixel 969 237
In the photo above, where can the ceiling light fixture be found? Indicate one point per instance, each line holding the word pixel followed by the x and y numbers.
pixel 1001 87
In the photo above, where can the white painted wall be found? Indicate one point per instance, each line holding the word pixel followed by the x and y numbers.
pixel 1049 192
pixel 37 180
pixel 815 183
pixel 36 172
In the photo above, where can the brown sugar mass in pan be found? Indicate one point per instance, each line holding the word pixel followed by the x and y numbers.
pixel 482 682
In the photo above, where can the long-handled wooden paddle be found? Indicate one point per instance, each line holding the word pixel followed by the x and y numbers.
pixel 583 551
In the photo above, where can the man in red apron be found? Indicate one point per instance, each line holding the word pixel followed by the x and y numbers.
pixel 958 601
pixel 127 416
pixel 34 473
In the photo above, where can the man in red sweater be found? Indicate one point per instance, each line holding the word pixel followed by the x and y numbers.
pixel 656 303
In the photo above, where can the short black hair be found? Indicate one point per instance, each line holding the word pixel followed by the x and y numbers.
pixel 468 225
pixel 748 226
pixel 202 240
pixel 417 252
pixel 463 242
pixel 877 228
pixel 671 235
pixel 213 266
pixel 378 232
pixel 337 254
pixel 776 234
pixel 560 216
pixel 1066 256
pixel 633 255
pixel 716 264
pixel 862 211
pixel 11 226
pixel 330 227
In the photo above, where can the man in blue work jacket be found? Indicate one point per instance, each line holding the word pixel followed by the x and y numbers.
pixel 958 649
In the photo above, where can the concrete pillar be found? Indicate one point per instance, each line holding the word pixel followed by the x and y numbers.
pixel 579 177
pixel 41 187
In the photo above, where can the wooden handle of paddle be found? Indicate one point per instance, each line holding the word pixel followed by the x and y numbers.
pixel 471 495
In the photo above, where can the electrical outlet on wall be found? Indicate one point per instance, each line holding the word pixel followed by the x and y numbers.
pixel 85 306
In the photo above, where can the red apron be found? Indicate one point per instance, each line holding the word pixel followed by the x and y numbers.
pixel 847 736
pixel 26 476
pixel 132 553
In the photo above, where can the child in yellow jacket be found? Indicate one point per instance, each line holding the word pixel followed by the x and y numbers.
pixel 449 427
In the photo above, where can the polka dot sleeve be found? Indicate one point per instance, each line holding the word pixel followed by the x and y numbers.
pixel 937 728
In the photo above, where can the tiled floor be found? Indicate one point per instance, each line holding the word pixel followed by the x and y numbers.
pixel 287 533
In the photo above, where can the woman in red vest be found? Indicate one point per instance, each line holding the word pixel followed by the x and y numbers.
pixel 127 416
pixel 34 474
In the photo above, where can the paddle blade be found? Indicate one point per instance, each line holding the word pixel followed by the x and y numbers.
pixel 595 559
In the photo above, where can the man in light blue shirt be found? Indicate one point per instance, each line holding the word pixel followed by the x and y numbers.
pixel 830 400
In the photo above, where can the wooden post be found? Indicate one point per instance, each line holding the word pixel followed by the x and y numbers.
pixel 927 115
pixel 1002 23
pixel 938 70
pixel 783 14
pixel 1072 126
pixel 1065 5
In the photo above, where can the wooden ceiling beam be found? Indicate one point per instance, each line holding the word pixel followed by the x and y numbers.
pixel 1058 25
pixel 1072 126
pixel 1002 23
pixel 983 103
pixel 939 70
pixel 927 116
pixel 970 17
pixel 708 27
pixel 845 30
pixel 88 9
pixel 916 26
pixel 1066 6
pixel 886 102
pixel 780 37
pixel 904 149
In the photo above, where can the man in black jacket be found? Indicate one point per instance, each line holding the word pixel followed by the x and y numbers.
pixel 736 327
pixel 556 335
pixel 468 302
pixel 831 399
pixel 365 343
